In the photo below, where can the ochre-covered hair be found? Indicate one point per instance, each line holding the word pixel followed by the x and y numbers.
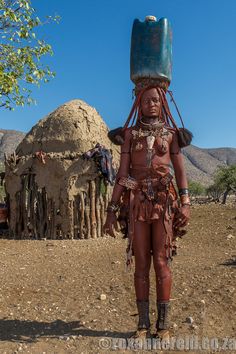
pixel 185 136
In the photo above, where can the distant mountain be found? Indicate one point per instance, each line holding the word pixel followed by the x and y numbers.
pixel 9 140
pixel 226 155
pixel 200 163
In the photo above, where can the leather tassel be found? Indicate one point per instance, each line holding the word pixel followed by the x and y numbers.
pixel 117 136
pixel 184 137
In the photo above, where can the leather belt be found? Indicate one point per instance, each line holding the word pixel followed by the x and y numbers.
pixel 131 183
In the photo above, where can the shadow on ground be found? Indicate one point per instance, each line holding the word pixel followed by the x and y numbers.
pixel 31 331
pixel 230 262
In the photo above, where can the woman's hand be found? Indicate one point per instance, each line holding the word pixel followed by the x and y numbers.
pixel 111 224
pixel 182 218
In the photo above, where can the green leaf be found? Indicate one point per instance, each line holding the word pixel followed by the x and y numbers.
pixel 21 53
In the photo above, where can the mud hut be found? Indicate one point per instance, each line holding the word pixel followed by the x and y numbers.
pixel 53 191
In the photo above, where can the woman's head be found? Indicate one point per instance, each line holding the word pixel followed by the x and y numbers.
pixel 150 103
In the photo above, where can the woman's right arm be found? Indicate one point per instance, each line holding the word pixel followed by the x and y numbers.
pixel 123 168
pixel 123 171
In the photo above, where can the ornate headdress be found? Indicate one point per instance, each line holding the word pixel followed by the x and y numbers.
pixel 151 64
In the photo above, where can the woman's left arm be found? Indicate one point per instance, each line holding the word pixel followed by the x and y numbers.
pixel 181 180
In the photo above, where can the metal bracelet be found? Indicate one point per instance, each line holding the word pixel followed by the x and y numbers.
pixel 183 191
pixel 112 207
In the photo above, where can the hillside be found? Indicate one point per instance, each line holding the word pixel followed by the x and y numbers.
pixel 200 163
pixel 9 139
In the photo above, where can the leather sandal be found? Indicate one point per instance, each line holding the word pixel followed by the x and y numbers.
pixel 162 324
pixel 163 335
pixel 142 333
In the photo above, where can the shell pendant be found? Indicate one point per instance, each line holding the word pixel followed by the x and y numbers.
pixel 150 142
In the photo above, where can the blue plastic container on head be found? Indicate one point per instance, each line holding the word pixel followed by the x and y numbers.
pixel 151 50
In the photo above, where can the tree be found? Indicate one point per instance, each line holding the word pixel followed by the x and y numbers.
pixel 196 188
pixel 225 179
pixel 20 53
pixel 215 191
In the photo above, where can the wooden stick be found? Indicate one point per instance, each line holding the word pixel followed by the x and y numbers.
pixel 32 205
pixel 18 216
pixel 24 207
pixel 50 218
pixel 40 215
pixel 102 204
pixel 75 212
pixel 98 207
pixel 82 211
pixel 30 211
pixel 45 212
pixel 92 190
pixel 53 214
pixel 87 216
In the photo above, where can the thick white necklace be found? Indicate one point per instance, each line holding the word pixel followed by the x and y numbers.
pixel 156 124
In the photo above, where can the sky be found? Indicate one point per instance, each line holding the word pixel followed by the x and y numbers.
pixel 91 59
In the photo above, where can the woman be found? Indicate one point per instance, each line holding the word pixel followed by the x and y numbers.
pixel 148 149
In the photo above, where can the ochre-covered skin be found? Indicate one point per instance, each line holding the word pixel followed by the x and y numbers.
pixel 152 223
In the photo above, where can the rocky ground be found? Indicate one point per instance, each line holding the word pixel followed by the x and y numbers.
pixel 50 297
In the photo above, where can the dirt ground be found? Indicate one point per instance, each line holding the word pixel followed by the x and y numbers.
pixel 50 290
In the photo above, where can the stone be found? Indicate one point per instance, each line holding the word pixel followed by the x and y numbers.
pixel 189 320
pixel 102 297
pixel 231 289
pixel 175 326
pixel 230 227
pixel 193 326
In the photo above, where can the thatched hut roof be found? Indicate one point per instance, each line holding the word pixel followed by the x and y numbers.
pixel 73 127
